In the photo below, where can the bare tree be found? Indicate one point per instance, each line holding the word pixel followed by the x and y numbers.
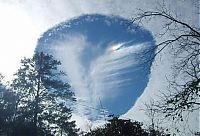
pixel 153 118
pixel 184 40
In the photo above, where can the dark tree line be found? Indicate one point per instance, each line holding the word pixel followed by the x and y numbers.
pixel 37 101
pixel 123 127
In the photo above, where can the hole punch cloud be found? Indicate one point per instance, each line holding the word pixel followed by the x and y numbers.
pixel 101 56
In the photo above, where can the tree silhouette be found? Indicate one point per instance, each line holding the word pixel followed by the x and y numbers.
pixel 7 108
pixel 43 96
pixel 122 127
pixel 184 40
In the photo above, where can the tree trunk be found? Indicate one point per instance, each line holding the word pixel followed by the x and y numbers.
pixel 35 119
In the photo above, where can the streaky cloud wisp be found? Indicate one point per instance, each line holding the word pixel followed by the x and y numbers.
pixel 105 58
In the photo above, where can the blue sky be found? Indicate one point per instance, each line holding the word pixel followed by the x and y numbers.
pixel 116 45
pixel 23 22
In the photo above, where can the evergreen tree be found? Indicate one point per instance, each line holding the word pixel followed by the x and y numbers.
pixel 43 96
pixel 7 108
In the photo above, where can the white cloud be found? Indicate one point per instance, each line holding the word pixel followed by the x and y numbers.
pixel 35 17
pixel 23 21
pixel 101 77
pixel 18 38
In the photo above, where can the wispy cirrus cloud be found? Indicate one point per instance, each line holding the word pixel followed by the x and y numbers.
pixel 22 22
pixel 102 75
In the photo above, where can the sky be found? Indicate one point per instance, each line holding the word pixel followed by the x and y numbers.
pixel 25 24
pixel 106 64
